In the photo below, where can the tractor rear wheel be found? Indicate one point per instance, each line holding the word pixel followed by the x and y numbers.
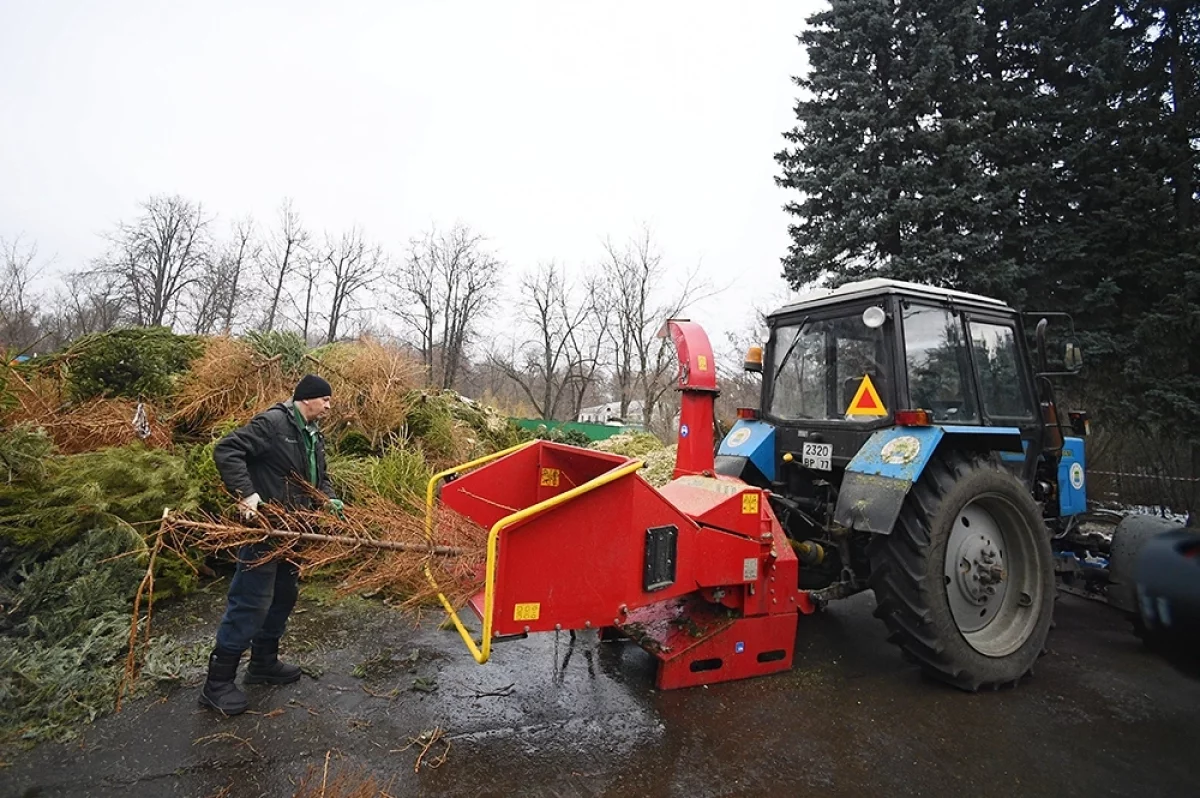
pixel 965 581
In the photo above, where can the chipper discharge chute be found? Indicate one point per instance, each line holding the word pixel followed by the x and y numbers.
pixel 699 572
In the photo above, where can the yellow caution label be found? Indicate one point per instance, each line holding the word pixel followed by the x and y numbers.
pixel 549 478
pixel 701 363
pixel 527 612
pixel 750 504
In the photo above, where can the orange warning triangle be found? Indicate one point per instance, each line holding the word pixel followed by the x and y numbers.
pixel 866 402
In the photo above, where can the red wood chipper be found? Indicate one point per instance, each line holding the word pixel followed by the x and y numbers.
pixel 698 572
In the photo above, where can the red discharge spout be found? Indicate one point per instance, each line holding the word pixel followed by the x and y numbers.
pixel 697 381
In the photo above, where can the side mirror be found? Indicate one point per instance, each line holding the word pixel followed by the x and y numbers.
pixel 754 357
pixel 1073 357
pixel 1081 422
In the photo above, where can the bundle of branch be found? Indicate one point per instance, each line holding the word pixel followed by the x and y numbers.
pixel 377 547
pixel 229 381
pixel 28 395
pixel 101 423
pixel 37 399
pixel 373 385
pixel 371 382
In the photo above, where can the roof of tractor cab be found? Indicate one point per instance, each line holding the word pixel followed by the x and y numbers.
pixel 878 286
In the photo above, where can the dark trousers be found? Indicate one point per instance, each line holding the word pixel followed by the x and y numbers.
pixel 261 598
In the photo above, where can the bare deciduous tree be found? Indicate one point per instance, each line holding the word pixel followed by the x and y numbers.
pixel 88 302
pixel 216 300
pixel 285 251
pixel 159 257
pixel 586 343
pixel 351 265
pixel 643 361
pixel 542 364
pixel 306 273
pixel 18 300
pixel 446 286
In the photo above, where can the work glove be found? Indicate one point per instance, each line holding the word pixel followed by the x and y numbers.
pixel 248 507
pixel 336 507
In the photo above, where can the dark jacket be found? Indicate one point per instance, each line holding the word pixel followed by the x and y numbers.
pixel 268 457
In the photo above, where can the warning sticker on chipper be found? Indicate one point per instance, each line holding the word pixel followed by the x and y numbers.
pixel 749 569
pixel 549 478
pixel 750 504
pixel 527 612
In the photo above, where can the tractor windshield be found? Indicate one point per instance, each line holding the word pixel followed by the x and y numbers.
pixel 819 367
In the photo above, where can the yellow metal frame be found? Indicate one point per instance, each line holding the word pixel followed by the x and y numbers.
pixel 482 651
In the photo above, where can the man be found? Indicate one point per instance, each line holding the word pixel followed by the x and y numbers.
pixel 279 457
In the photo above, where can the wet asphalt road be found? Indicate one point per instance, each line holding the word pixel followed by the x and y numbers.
pixel 548 717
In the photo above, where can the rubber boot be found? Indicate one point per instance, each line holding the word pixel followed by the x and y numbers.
pixel 265 667
pixel 219 691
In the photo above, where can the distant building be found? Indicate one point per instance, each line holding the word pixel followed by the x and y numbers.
pixel 611 414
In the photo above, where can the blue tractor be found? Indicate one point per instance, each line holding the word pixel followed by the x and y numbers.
pixel 913 445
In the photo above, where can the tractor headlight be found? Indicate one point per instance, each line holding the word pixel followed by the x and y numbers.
pixel 874 317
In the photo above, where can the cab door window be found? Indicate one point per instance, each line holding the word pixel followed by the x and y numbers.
pixel 938 368
pixel 1002 388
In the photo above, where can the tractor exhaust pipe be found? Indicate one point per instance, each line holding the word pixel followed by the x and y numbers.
pixel 697 382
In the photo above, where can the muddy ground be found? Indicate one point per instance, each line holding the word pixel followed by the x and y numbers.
pixel 549 716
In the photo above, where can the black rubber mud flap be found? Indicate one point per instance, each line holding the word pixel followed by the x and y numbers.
pixel 870 503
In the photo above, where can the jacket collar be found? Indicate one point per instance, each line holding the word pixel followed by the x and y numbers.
pixel 292 412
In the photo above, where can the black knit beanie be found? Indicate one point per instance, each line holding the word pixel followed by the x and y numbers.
pixel 311 387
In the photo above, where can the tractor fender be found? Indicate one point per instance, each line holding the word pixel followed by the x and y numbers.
pixel 879 477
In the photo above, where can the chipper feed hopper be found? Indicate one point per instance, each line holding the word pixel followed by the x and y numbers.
pixel 698 572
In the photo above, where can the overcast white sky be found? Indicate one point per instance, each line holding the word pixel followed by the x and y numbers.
pixel 547 126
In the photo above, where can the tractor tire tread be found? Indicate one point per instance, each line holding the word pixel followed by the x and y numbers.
pixel 900 577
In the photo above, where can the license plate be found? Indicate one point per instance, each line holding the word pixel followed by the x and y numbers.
pixel 818 456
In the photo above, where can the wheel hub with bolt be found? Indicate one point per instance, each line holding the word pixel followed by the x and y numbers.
pixel 976 576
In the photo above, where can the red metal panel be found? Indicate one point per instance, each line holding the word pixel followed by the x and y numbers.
pixel 726 559
pixel 524 478
pixel 701 643
pixel 697 495
pixel 563 467
pixel 694 454
pixel 496 490
pixel 749 647
pixel 577 564
pixel 721 503
pixel 781 593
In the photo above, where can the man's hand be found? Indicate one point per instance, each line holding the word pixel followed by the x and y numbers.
pixel 337 507
pixel 248 507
